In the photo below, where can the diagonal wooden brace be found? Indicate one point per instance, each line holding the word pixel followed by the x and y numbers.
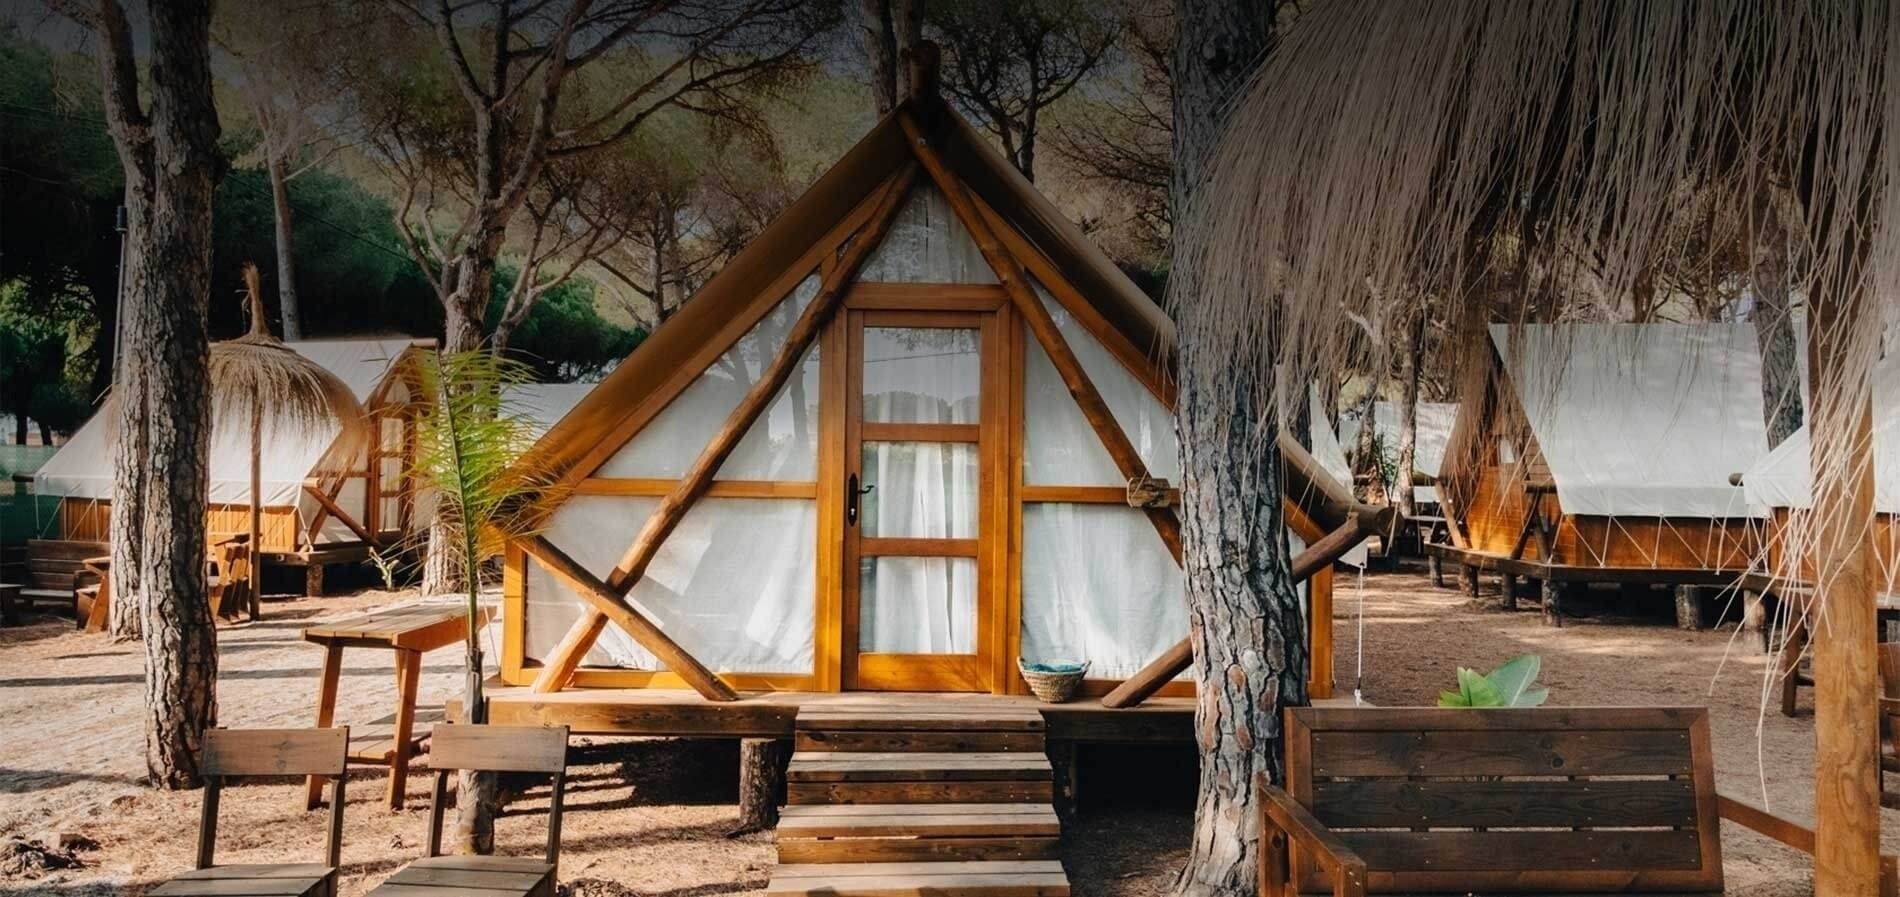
pixel 1318 556
pixel 610 604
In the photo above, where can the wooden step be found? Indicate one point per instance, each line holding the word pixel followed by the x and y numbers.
pixel 918 832
pixel 915 766
pixel 895 740
pixel 1010 878
pixel 799 793
pixel 908 719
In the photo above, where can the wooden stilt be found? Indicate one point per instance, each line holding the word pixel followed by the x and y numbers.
pixel 1553 603
pixel 1688 607
pixel 762 764
pixel 1470 574
pixel 312 581
pixel 1507 591
pixel 1755 618
pixel 1846 674
pixel 1436 565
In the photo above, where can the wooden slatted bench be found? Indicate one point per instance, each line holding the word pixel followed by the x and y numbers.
pixel 1547 800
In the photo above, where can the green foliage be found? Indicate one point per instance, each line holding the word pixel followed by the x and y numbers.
pixel 1513 684
pixel 564 337
pixel 355 275
pixel 42 371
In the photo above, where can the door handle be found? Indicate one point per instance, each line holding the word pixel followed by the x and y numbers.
pixel 851 495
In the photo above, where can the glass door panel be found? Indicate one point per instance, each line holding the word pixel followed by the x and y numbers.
pixel 914 577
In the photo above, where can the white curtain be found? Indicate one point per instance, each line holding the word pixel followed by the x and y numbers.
pixel 922 375
pixel 1060 448
pixel 1098 585
pixel 927 243
pixel 910 604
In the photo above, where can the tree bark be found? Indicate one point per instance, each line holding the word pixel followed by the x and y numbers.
pixel 132 137
pixel 1244 618
pixel 181 659
pixel 1408 416
pixel 287 304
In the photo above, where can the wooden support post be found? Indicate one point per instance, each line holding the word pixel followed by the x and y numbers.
pixel 615 607
pixel 1794 641
pixel 762 763
pixel 327 504
pixel 1507 588
pixel 1436 565
pixel 1755 618
pixel 1688 607
pixel 313 580
pixel 1470 574
pixel 1319 556
pixel 1846 584
pixel 1553 602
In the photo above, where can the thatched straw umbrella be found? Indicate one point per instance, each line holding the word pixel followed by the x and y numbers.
pixel 256 378
pixel 1497 153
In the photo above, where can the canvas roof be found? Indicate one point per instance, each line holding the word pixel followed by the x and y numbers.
pixel 1783 479
pixel 83 467
pixel 1645 420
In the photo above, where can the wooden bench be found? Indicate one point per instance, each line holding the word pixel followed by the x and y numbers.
pixel 452 747
pixel 230 753
pixel 1547 800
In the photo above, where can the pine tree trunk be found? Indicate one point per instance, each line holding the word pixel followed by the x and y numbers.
pixel 287 305
pixel 181 659
pixel 1244 618
pixel 1408 415
pixel 761 782
pixel 463 312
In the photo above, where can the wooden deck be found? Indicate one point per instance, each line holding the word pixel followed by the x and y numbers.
pixel 679 713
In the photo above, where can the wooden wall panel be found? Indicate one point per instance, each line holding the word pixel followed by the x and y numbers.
pixel 1495 518
pixel 1886 550
pixel 86 520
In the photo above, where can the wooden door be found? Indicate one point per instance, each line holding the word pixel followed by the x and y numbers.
pixel 921 475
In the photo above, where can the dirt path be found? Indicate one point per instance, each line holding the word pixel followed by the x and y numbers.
pixel 651 817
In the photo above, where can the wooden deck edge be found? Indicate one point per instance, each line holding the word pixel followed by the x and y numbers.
pixel 1497 563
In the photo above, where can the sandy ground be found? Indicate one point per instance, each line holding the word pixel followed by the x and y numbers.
pixel 652 817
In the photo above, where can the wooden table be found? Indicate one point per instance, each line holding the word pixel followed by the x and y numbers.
pixel 409 631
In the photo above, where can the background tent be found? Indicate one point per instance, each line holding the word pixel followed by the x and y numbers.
pixel 1434 423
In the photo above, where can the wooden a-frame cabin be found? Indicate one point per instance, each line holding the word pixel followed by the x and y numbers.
pixel 916 430
pixel 1601 453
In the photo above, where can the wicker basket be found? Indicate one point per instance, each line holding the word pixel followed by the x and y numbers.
pixel 1053 687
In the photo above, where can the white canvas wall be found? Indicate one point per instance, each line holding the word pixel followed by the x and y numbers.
pixel 927 243
pixel 1645 420
pixel 735 585
pixel 782 444
pixel 1098 585
pixel 1060 448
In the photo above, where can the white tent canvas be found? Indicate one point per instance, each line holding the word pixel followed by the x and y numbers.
pixel 1641 420
pixel 83 467
pixel 1433 432
pixel 1784 479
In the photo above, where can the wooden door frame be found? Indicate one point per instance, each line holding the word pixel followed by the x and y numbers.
pixel 943 307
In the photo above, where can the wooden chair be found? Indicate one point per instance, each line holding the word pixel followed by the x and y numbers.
pixel 232 753
pixel 230 577
pixel 455 747
pixel 1519 801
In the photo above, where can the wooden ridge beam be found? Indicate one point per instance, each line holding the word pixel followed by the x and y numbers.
pixel 614 607
pixel 699 478
pixel 1320 555
pixel 1009 272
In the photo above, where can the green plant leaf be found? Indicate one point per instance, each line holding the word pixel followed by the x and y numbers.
pixel 1515 681
pixel 1478 690
pixel 1453 699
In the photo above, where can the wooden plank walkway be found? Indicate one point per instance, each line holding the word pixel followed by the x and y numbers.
pixel 897 801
